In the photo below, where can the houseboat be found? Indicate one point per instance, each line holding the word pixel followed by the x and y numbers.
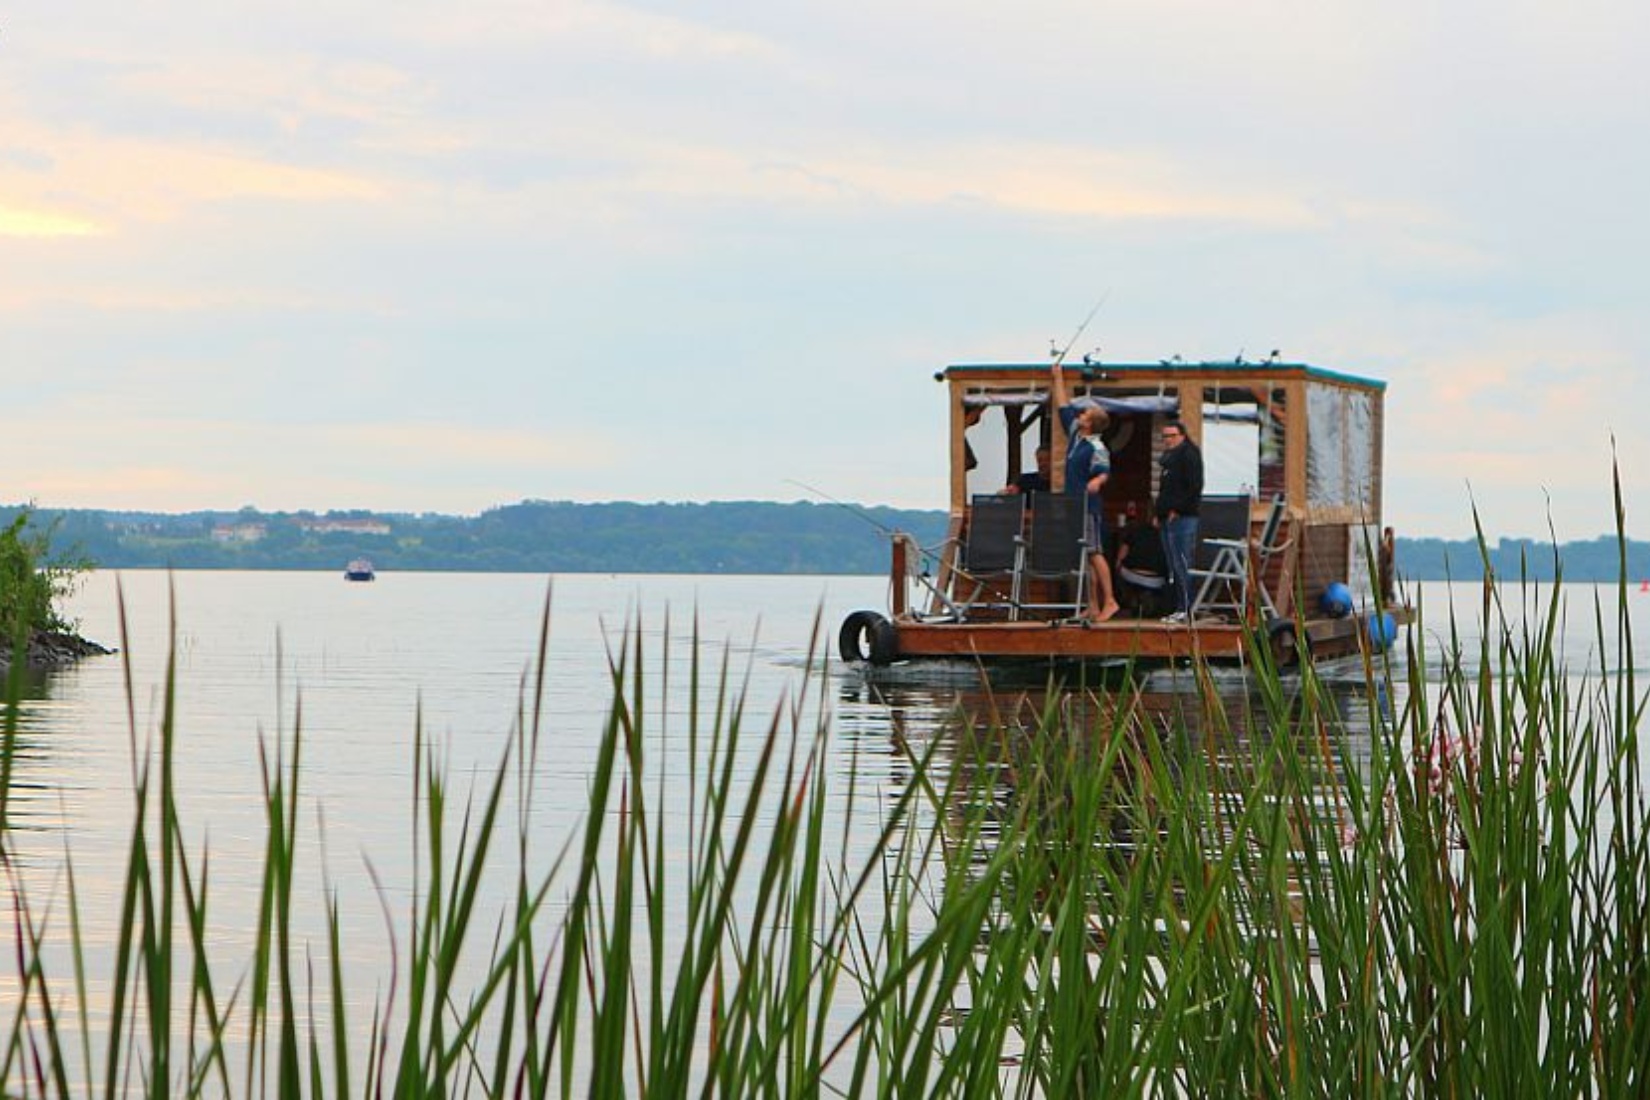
pixel 1292 554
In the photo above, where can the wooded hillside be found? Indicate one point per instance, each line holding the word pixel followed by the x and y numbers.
pixel 716 537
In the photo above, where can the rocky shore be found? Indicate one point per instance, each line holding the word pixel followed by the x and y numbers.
pixel 47 649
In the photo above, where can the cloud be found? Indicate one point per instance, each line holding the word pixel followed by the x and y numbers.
pixel 21 222
pixel 275 97
pixel 133 487
pixel 1515 409
pixel 37 297
pixel 160 180
pixel 321 226
pixel 426 444
pixel 97 183
pixel 1039 180
pixel 579 25
pixel 133 459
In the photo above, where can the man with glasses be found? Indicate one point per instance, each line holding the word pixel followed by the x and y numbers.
pixel 1179 495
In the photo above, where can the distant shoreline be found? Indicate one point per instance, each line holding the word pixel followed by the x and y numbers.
pixel 733 537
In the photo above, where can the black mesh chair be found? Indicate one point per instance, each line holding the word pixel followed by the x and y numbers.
pixel 991 552
pixel 1058 551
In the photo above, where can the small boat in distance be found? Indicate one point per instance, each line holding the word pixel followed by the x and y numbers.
pixel 1292 551
pixel 360 570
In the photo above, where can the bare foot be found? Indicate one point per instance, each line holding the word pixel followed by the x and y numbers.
pixel 1107 612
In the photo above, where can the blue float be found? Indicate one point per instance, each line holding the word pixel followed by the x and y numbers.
pixel 1383 630
pixel 1336 600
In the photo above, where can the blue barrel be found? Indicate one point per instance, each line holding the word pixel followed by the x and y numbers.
pixel 1336 600
pixel 1383 630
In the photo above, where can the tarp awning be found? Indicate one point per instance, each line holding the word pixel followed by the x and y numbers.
pixel 1142 404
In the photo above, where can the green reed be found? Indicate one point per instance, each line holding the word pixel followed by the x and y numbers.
pixel 1070 894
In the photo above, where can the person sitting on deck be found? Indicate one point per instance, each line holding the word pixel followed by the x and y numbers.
pixel 1034 481
pixel 1142 571
pixel 1088 466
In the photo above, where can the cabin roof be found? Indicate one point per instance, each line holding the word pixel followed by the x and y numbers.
pixel 1168 369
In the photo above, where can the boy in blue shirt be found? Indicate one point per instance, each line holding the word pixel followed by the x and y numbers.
pixel 1088 466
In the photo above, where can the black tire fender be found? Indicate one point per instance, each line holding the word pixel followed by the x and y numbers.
pixel 867 636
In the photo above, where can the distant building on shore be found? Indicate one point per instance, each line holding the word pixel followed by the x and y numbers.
pixel 239 532
pixel 367 526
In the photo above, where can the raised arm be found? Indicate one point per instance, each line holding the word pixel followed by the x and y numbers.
pixel 1057 376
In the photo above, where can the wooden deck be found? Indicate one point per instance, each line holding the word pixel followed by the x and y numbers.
pixel 1147 640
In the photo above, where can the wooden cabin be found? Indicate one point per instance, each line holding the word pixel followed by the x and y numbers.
pixel 1292 543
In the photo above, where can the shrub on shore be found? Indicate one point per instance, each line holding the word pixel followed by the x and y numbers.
pixel 34 579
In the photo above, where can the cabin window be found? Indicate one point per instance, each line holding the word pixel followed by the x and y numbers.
pixel 1229 446
pixel 1243 440
pixel 1342 450
pixel 993 432
pixel 1273 425
pixel 983 432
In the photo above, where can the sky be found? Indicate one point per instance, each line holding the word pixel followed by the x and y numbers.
pixel 436 257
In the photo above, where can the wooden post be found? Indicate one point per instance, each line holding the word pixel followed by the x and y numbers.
pixel 946 573
pixel 1377 473
pixel 1190 392
pixel 1016 429
pixel 1295 442
pixel 896 575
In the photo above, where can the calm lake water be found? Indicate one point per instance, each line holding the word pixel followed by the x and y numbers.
pixel 360 668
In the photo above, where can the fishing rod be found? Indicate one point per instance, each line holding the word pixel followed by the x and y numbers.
pixel 865 516
pixel 922 551
pixel 928 556
pixel 845 506
pixel 1060 358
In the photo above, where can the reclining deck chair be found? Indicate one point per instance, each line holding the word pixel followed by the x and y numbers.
pixel 1240 561
pixel 1217 571
pixel 1057 552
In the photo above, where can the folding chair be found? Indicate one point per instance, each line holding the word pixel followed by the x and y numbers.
pixel 991 550
pixel 1057 552
pixel 1219 572
pixel 1239 560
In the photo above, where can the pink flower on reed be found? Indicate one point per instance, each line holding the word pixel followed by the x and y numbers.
pixel 1447 756
pixel 1444 752
pixel 1349 833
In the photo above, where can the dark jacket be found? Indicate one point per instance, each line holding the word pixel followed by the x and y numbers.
pixel 1181 488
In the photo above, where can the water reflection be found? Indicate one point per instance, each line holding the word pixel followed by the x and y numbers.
pixel 1221 713
pixel 28 752
pixel 24 682
pixel 1002 751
